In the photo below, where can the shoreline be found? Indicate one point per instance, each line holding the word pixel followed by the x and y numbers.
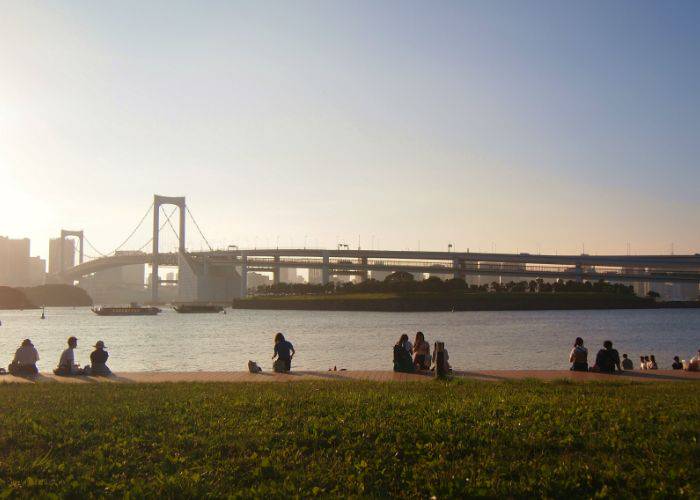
pixel 357 375
pixel 446 302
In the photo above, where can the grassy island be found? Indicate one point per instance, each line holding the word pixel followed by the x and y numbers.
pixel 448 439
pixel 445 301
pixel 400 292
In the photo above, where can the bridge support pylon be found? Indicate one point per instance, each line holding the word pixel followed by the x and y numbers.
pixel 325 270
pixel 276 271
pixel 158 201
pixel 64 234
pixel 244 275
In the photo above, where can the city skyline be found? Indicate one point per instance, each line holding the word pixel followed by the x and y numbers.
pixel 536 127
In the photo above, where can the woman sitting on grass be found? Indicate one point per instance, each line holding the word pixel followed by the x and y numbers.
pixel 579 356
pixel 402 356
pixel 421 350
pixel 284 352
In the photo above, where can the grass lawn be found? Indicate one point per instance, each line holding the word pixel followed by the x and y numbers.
pixel 448 439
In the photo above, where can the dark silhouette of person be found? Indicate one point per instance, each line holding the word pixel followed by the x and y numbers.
pixel 608 359
pixel 284 351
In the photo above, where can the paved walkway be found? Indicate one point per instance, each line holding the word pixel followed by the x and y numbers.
pixel 378 376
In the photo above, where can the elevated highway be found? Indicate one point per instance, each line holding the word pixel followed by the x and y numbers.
pixel 666 268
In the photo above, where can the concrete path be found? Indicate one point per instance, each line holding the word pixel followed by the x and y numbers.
pixel 377 376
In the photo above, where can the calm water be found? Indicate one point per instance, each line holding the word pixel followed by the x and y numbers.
pixel 353 340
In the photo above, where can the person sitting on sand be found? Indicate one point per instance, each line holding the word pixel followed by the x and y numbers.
pixel 608 359
pixel 642 363
pixel 402 357
pixel 24 362
pixel 677 365
pixel 647 363
pixel 284 352
pixel 98 360
pixel 579 356
pixel 652 363
pixel 439 347
pixel 421 350
pixel 67 365
pixel 627 363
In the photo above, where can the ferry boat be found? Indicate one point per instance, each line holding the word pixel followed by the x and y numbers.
pixel 132 309
pixel 198 308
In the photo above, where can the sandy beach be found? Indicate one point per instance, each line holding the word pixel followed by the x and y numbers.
pixel 376 376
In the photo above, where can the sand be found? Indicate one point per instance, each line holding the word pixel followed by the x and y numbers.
pixel 378 376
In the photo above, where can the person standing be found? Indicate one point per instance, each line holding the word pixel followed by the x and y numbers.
pixel 284 352
pixel 627 363
pixel 24 362
pixel 579 356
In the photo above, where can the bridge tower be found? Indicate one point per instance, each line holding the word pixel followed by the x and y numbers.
pixel 64 234
pixel 158 201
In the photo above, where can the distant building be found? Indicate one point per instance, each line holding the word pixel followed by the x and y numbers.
pixel 315 276
pixel 289 275
pixel 37 271
pixel 256 279
pixel 55 254
pixel 14 261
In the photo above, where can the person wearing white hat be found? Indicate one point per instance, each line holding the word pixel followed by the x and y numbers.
pixel 98 360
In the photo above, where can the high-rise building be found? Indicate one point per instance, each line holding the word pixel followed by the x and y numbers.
pixel 55 254
pixel 315 276
pixel 14 261
pixel 289 275
pixel 37 271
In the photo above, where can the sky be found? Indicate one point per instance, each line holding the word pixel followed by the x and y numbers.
pixel 515 126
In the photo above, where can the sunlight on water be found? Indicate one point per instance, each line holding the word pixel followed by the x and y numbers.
pixel 353 340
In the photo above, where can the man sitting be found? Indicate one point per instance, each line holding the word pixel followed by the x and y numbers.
pixel 677 365
pixel 66 365
pixel 608 359
pixel 25 360
pixel 627 363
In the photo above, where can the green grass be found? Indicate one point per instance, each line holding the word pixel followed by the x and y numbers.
pixel 449 439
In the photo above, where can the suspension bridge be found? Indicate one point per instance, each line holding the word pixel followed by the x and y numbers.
pixel 221 274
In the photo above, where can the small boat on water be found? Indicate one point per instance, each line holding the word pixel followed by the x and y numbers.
pixel 132 309
pixel 198 308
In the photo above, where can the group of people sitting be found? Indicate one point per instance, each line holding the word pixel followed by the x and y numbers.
pixel 649 362
pixel 410 357
pixel 24 362
pixel 608 360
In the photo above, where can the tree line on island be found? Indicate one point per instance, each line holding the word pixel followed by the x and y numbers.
pixel 404 282
pixel 54 295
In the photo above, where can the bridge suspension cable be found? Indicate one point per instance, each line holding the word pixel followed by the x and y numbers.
pixel 198 228
pixel 150 240
pixel 134 231
pixel 170 223
pixel 94 248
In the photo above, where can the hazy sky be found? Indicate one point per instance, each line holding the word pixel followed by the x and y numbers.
pixel 529 125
